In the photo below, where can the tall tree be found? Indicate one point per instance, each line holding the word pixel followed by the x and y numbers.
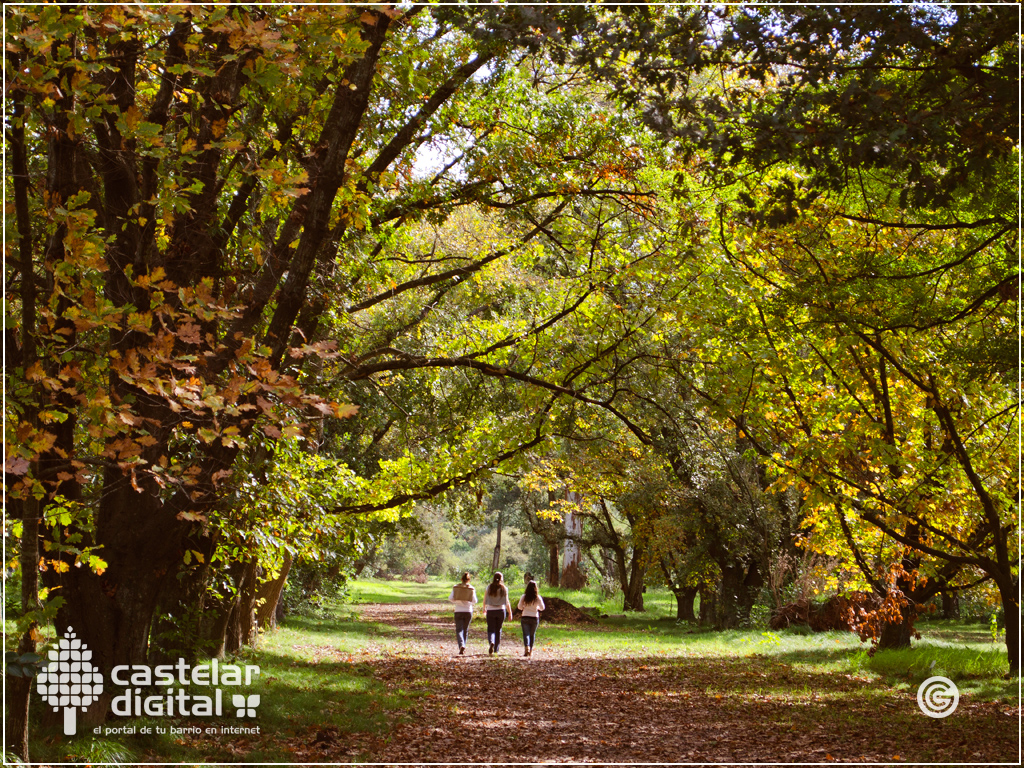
pixel 212 200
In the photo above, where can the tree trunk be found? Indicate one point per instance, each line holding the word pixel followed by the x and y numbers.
pixel 633 595
pixel 739 590
pixel 496 559
pixel 112 612
pixel 270 593
pixel 553 565
pixel 708 605
pixel 572 576
pixel 609 563
pixel 241 620
pixel 1011 610
pixel 19 689
pixel 951 605
pixel 234 616
pixel 898 634
pixel 182 629
pixel 684 603
pixel 29 511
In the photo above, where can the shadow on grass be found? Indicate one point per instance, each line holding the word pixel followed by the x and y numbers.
pixel 978 672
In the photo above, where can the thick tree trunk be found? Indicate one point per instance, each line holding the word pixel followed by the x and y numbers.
pixel 739 590
pixel 270 594
pixel 684 603
pixel 951 605
pixel 1011 610
pixel 553 565
pixel 898 634
pixel 241 624
pixel 112 620
pixel 183 629
pixel 708 605
pixel 572 576
pixel 112 612
pixel 19 690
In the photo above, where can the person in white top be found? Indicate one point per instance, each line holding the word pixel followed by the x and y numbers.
pixel 464 603
pixel 531 604
pixel 496 608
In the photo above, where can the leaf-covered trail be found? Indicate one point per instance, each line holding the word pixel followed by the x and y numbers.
pixel 562 706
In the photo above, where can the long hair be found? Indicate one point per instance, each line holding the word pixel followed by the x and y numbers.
pixel 465 577
pixel 531 594
pixel 497 586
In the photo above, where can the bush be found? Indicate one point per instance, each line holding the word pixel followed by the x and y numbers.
pixel 978 604
pixel 417 572
pixel 311 588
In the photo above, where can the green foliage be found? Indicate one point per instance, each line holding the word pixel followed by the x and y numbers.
pixel 312 593
pixel 22 665
pixel 300 284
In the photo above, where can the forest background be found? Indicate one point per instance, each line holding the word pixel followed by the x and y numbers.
pixel 722 298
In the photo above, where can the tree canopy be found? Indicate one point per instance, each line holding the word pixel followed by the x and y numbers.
pixel 276 273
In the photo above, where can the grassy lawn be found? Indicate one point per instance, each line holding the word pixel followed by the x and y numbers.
pixel 318 675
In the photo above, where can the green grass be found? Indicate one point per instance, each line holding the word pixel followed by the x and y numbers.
pixel 384 591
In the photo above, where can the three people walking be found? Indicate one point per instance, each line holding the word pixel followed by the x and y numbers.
pixel 497 608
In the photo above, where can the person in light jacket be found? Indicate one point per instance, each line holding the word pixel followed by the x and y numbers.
pixel 497 608
pixel 463 613
pixel 531 604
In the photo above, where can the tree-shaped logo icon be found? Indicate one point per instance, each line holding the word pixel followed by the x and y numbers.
pixel 69 680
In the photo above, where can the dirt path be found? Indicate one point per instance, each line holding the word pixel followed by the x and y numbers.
pixel 558 706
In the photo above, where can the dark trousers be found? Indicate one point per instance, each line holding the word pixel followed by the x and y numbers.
pixel 529 630
pixel 495 618
pixel 462 619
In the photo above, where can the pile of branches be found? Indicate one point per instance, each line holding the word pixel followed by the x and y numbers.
pixel 841 612
pixel 559 611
